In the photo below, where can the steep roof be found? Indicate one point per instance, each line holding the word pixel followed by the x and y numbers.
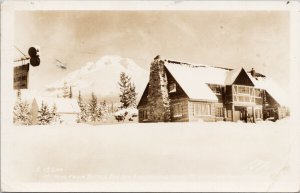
pixel 194 79
pixel 64 105
pixel 272 88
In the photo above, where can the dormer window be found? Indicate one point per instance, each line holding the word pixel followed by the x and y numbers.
pixel 172 87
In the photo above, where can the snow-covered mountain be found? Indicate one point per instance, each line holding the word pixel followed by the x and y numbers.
pixel 101 78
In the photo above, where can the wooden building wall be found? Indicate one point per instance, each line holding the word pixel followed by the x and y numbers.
pixel 193 117
pixel 185 113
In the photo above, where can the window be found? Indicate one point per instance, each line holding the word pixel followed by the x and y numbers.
pixel 243 90
pixel 172 87
pixel 257 93
pixel 229 113
pixel 145 114
pixel 219 112
pixel 216 89
pixel 202 109
pixel 244 94
pixel 177 110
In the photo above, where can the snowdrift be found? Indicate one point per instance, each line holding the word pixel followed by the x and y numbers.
pixel 221 156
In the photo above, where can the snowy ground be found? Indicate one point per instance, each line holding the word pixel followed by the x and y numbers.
pixel 219 156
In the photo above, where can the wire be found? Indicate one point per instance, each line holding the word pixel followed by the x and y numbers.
pixel 20 50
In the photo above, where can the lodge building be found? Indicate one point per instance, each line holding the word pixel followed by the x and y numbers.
pixel 179 91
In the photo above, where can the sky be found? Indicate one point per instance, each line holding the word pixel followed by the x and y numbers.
pixel 232 39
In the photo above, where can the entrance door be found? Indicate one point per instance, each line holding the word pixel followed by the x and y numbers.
pixel 240 114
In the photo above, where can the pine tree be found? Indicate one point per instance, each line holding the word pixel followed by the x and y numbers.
pixel 17 107
pixel 104 108
pixel 65 90
pixel 55 117
pixel 70 93
pixel 44 116
pixel 128 93
pixel 133 95
pixel 99 112
pixel 93 108
pixel 125 90
pixel 21 112
pixel 83 115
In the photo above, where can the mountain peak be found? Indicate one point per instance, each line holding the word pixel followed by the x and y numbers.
pixel 101 77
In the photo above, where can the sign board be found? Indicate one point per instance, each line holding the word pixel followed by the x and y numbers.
pixel 21 76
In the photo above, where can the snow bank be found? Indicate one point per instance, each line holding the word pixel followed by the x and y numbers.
pixel 221 156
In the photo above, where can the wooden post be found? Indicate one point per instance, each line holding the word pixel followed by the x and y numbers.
pixel 253 114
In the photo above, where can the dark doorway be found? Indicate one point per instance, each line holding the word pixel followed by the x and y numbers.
pixel 241 113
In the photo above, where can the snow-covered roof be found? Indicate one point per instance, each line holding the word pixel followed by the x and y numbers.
pixel 63 105
pixel 188 77
pixel 194 79
pixel 203 73
pixel 271 87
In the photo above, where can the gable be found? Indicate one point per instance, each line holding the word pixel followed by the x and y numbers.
pixel 243 79
pixel 179 91
pixel 143 100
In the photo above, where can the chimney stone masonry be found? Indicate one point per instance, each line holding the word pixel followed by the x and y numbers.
pixel 158 95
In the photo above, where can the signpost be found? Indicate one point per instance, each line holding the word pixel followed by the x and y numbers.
pixel 21 76
pixel 21 72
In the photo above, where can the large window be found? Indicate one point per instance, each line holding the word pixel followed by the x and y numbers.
pixel 219 112
pixel 243 90
pixel 243 94
pixel 145 114
pixel 177 110
pixel 202 109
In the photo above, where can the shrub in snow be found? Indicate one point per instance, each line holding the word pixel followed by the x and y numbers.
pixel 121 114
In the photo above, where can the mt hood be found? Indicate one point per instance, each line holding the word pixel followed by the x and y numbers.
pixel 101 78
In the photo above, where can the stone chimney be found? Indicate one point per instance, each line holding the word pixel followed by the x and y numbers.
pixel 158 95
pixel 253 72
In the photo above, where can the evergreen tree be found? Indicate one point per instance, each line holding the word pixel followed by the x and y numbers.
pixel 55 117
pixel 93 108
pixel 125 90
pixel 83 115
pixel 70 93
pixel 128 93
pixel 104 108
pixel 99 112
pixel 133 95
pixel 21 111
pixel 44 116
pixel 65 90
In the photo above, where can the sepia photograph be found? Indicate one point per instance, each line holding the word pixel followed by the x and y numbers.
pixel 150 96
